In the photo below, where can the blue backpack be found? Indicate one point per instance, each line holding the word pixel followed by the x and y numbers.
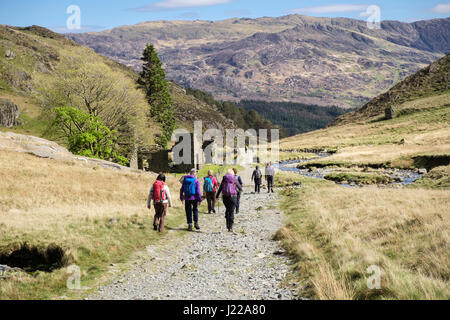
pixel 189 187
pixel 207 186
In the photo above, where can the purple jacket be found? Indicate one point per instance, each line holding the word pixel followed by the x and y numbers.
pixel 198 192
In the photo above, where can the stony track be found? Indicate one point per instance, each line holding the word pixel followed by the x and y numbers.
pixel 213 263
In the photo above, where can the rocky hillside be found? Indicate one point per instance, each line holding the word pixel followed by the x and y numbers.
pixel 33 57
pixel 434 80
pixel 311 60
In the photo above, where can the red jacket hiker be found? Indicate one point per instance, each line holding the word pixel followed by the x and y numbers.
pixel 160 195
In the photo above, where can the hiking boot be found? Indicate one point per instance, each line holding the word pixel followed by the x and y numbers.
pixel 197 226
pixel 214 211
pixel 190 227
pixel 155 227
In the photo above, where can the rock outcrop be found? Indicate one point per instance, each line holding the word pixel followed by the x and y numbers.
pixel 9 114
pixel 9 55
pixel 48 149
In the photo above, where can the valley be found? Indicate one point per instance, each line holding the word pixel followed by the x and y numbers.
pixel 355 191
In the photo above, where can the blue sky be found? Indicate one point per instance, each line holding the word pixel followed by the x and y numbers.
pixel 105 14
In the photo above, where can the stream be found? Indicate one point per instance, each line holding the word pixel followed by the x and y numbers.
pixel 399 177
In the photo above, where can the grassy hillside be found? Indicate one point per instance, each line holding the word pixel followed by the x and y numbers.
pixel 41 56
pixel 336 233
pixel 420 128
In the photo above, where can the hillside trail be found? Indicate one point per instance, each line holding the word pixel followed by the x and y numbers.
pixel 213 263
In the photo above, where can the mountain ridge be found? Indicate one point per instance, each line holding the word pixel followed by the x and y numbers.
pixel 324 61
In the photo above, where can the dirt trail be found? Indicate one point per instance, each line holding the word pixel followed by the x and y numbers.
pixel 213 263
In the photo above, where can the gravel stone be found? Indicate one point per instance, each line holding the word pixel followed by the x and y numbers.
pixel 213 263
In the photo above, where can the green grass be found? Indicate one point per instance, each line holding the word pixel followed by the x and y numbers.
pixel 437 178
pixel 358 178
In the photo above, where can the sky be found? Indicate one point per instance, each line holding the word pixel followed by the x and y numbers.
pixel 96 15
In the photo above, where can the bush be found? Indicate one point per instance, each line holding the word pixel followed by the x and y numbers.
pixel 87 135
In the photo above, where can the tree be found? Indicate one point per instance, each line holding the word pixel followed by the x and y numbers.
pixel 102 92
pixel 153 80
pixel 87 135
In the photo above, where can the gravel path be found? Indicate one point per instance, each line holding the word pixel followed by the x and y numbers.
pixel 213 263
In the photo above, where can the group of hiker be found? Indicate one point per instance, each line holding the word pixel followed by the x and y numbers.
pixel 230 187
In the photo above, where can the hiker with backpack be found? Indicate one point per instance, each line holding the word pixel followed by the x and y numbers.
pixel 270 172
pixel 209 187
pixel 190 193
pixel 160 195
pixel 229 188
pixel 238 199
pixel 256 177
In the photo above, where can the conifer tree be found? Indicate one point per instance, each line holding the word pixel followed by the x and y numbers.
pixel 153 80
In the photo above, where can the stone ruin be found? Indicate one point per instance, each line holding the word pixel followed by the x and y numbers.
pixel 389 113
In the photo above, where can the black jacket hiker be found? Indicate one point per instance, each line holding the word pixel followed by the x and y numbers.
pixel 257 177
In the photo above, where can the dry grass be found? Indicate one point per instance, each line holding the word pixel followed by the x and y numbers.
pixel 70 204
pixel 335 233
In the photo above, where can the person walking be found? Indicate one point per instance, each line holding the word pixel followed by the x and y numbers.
pixel 238 198
pixel 269 173
pixel 256 177
pixel 190 193
pixel 160 195
pixel 229 188
pixel 209 188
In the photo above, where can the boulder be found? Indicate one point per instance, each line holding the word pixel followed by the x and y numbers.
pixel 389 113
pixel 9 114
pixel 422 171
pixel 9 55
pixel 42 148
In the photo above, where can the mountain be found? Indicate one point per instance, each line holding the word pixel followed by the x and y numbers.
pixel 324 61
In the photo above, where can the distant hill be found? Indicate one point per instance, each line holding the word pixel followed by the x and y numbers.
pixel 323 61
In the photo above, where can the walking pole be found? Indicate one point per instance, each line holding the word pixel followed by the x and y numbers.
pixel 217 200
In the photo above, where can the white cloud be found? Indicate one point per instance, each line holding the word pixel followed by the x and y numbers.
pixel 331 8
pixel 441 8
pixel 180 4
